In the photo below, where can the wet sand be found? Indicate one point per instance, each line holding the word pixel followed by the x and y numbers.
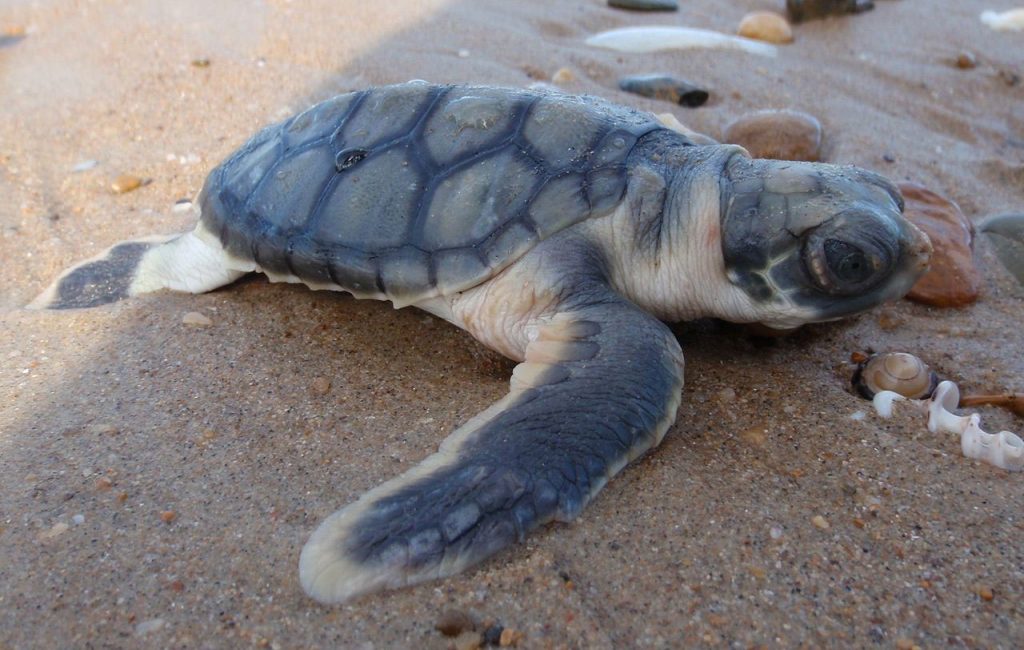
pixel 157 481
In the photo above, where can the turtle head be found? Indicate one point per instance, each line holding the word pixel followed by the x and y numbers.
pixel 809 242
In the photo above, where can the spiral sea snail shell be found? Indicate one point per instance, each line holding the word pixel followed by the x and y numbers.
pixel 898 372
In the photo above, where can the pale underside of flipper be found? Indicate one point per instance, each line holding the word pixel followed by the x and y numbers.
pixel 600 386
pixel 194 262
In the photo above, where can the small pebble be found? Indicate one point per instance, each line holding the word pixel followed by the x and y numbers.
pixel 195 319
pixel 563 76
pixel 492 635
pixel 801 10
pixel 510 638
pixel 966 60
pixel 533 72
pixel 645 5
pixel 145 627
pixel 85 165
pixel 125 183
pixel 321 386
pixel 985 593
pixel 727 395
pixel 889 158
pixel 765 26
pixel 952 280
pixel 201 63
pixel 454 622
pixel 754 436
pixel 55 531
pixel 820 522
pixel 468 641
pixel 463 53
pixel 101 429
pixel 104 483
pixel 665 87
pixel 890 321
pixel 775 532
pixel 1009 77
pixel 167 516
pixel 780 135
pixel 182 205
pixel 78 520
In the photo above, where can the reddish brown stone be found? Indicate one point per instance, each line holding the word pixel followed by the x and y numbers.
pixel 780 135
pixel 952 279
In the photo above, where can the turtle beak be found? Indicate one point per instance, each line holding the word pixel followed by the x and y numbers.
pixel 916 247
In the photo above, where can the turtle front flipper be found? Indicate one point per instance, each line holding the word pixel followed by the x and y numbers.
pixel 194 262
pixel 600 385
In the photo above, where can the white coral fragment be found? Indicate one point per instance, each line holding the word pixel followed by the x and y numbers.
pixel 1006 21
pixel 883 401
pixel 940 410
pixel 1004 450
pixel 653 39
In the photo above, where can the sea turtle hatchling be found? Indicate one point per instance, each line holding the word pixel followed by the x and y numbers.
pixel 558 230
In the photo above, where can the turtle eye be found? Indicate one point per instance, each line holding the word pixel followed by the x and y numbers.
pixel 848 263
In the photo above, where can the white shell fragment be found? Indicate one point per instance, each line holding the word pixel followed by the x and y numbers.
pixel 1004 450
pixel 654 39
pixel 1006 21
pixel 883 401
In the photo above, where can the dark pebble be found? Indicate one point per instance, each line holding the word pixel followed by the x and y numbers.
pixel 664 87
pixel 889 158
pixel 492 635
pixel 800 10
pixel 454 622
pixel 1009 77
pixel 645 5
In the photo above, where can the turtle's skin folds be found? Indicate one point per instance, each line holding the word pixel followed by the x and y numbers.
pixel 557 230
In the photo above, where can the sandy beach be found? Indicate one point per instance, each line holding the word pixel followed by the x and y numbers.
pixel 157 481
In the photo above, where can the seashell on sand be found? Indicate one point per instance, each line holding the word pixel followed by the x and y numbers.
pixel 896 372
pixel 654 39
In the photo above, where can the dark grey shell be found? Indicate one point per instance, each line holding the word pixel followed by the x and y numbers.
pixel 415 190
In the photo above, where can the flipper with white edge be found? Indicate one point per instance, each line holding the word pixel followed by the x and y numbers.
pixel 193 262
pixel 599 386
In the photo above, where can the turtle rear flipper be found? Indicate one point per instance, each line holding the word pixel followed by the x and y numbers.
pixel 600 386
pixel 194 262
